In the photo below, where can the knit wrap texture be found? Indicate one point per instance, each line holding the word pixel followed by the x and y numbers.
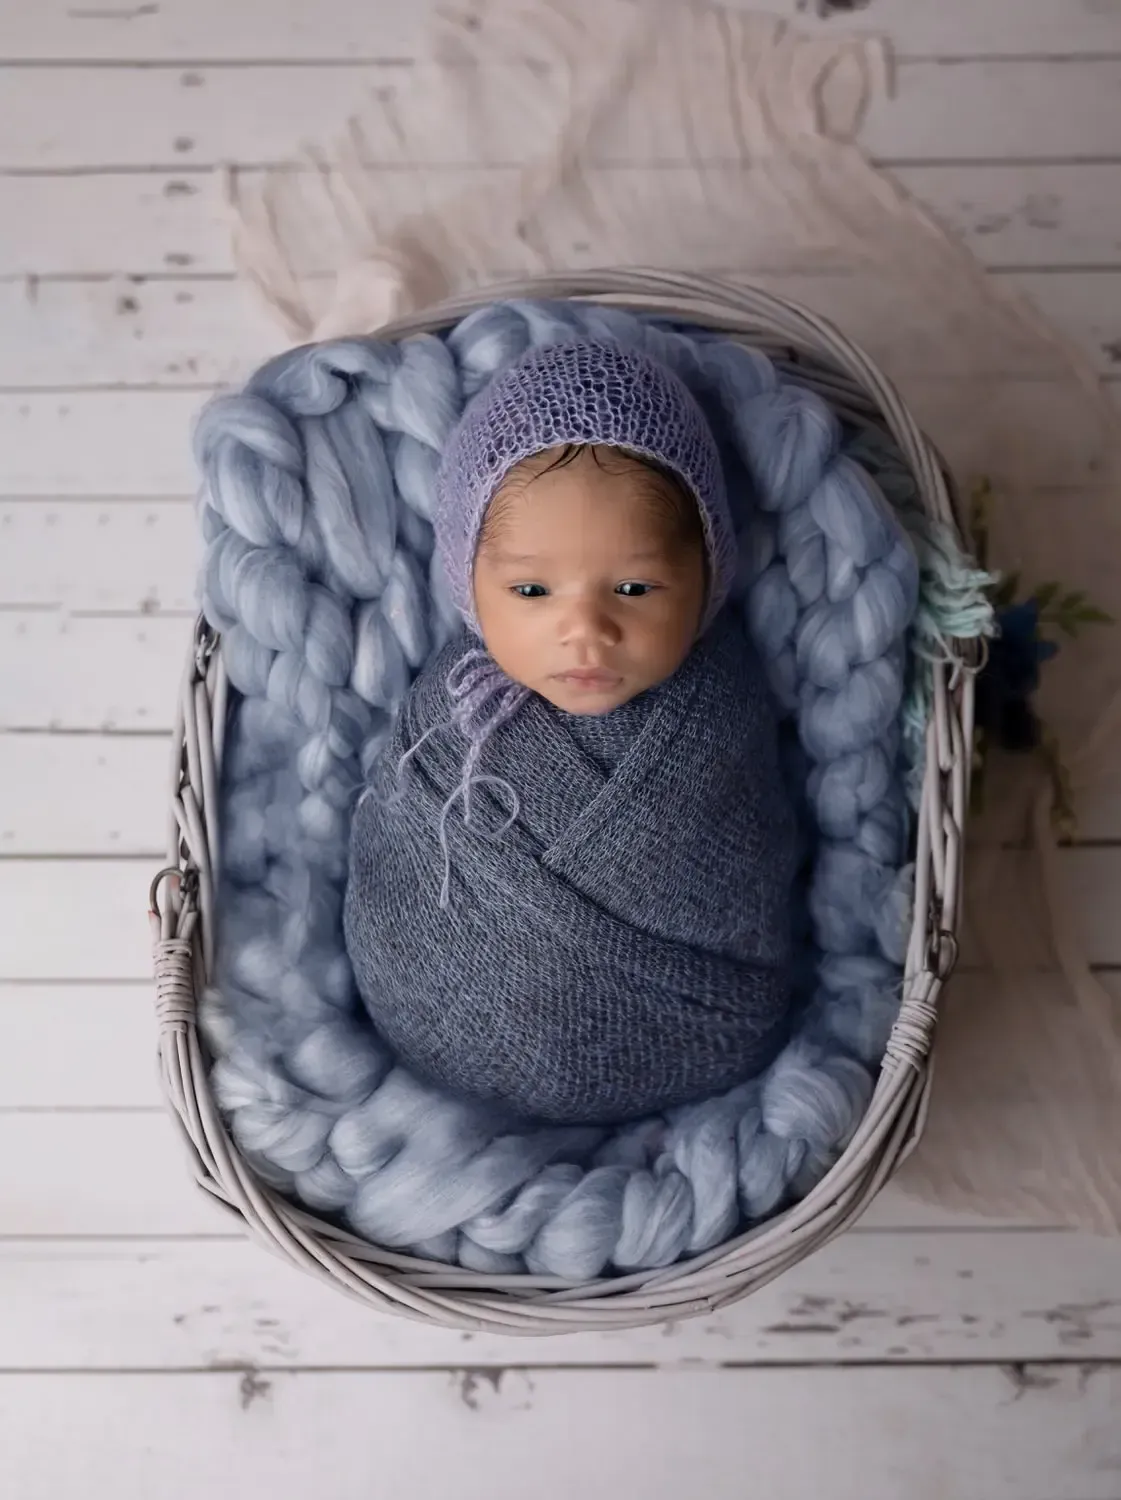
pixel 317 510
pixel 624 946
pixel 580 392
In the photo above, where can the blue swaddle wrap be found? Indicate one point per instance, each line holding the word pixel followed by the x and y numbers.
pixel 624 946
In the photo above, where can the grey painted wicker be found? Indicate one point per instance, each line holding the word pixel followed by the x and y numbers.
pixel 183 894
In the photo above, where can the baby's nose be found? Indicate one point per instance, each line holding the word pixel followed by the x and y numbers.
pixel 588 622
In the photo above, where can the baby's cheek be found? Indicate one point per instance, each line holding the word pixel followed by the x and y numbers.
pixel 500 635
pixel 493 608
pixel 673 627
pixel 509 636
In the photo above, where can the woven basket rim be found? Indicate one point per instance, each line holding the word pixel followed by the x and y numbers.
pixel 182 905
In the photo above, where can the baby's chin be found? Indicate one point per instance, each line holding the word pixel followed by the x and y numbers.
pixel 591 700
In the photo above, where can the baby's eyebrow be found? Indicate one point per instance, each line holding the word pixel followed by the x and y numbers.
pixel 496 554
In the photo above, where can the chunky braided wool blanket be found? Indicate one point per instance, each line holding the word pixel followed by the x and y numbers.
pixel 316 510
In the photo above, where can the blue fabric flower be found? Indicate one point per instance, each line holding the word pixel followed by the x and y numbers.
pixel 1011 676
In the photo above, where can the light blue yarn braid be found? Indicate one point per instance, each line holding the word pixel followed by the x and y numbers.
pixel 317 510
pixel 954 598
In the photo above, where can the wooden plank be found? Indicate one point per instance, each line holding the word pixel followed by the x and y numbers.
pixel 178 332
pixel 139 557
pixel 92 794
pixel 54 119
pixel 138 222
pixel 125 1172
pixel 261 30
pixel 70 672
pixel 78 1055
pixel 275 30
pixel 73 672
pixel 51 898
pixel 85 919
pixel 130 556
pixel 84 794
pixel 189 30
pixel 101 1041
pixel 156 223
pixel 1085 306
pixel 982 1433
pixel 137 442
pixel 98 443
pixel 908 1296
pixel 202 116
pixel 77 1046
pixel 1024 214
pixel 980 111
pixel 116 332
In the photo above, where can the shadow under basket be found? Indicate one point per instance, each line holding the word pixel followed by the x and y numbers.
pixel 182 913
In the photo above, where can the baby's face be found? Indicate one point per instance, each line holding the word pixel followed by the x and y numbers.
pixel 589 589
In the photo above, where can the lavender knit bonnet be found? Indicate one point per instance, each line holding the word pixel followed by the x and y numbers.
pixel 577 393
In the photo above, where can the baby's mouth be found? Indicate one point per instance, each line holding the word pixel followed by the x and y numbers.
pixel 589 677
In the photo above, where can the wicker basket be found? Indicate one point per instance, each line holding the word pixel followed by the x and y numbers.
pixel 183 895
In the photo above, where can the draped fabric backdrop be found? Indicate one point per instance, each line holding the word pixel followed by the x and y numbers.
pixel 572 134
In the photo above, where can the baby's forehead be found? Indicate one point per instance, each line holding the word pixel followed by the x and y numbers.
pixel 603 482
pixel 594 540
pixel 626 514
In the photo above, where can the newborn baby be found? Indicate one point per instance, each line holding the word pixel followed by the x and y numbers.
pixel 570 876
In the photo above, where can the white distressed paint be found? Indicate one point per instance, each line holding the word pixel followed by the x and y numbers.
pixel 77 1046
pixel 137 442
pixel 71 672
pixel 139 557
pixel 870 1296
pixel 186 31
pixel 84 794
pixel 106 794
pixel 101 1173
pixel 132 556
pixel 91 527
pixel 98 1172
pixel 1014 214
pixel 85 919
pixel 136 559
pixel 254 30
pixel 101 1053
pixel 204 332
pixel 52 119
pixel 994 1433
pixel 97 442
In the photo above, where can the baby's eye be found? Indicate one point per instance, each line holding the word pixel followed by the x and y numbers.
pixel 530 590
pixel 634 590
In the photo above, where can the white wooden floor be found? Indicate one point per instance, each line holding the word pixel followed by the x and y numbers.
pixel 145 1352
